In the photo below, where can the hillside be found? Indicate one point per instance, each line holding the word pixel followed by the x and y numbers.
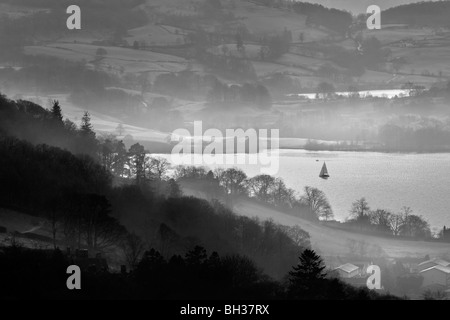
pixel 331 242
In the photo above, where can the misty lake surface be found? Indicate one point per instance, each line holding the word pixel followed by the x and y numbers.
pixel 387 181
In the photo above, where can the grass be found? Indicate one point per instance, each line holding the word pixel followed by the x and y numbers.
pixel 133 61
pixel 334 242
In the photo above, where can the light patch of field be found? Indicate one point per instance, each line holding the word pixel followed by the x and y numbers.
pixel 82 36
pixel 389 35
pixel 260 19
pixel 334 242
pixel 377 79
pixel 156 35
pixel 130 60
pixel 264 69
pixel 303 62
pixel 173 6
pixel 251 50
pixel 18 11
pixel 430 59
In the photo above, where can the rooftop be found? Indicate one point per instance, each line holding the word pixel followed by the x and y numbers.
pixel 348 267
pixel 439 262
pixel 438 267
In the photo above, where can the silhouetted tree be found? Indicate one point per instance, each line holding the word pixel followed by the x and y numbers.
pixel 57 112
pixel 306 279
pixel 317 201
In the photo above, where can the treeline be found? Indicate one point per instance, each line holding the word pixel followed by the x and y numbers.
pixel 49 74
pixel 232 184
pixel 332 19
pixel 422 14
pixel 29 121
pixel 188 84
pixel 404 224
pixel 66 3
pixel 416 134
pixel 101 14
pixel 195 275
pixel 255 95
pixel 77 196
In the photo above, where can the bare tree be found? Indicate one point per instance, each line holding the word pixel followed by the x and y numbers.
pixel 261 186
pixel 133 248
pixel 158 167
pixel 299 236
pixel 380 220
pixel 359 213
pixel 395 223
pixel 317 201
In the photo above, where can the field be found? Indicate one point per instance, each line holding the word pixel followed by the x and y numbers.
pixel 334 242
pixel 133 61
pixel 426 59
pixel 331 242
pixel 156 35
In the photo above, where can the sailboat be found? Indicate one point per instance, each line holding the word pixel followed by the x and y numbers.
pixel 324 172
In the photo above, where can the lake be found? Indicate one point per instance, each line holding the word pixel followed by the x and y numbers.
pixel 388 93
pixel 387 181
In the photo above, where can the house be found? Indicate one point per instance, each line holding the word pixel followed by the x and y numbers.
pixel 436 275
pixel 433 262
pixel 347 270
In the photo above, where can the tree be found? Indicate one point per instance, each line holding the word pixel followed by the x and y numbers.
pixel 120 129
pixel 305 279
pixel 416 227
pixel 88 219
pixel 395 223
pixel 380 219
pixel 101 52
pixel 281 195
pixel 324 89
pixel 239 43
pixel 86 127
pixel 300 237
pixel 137 163
pixel 233 180
pixel 174 189
pixel 133 248
pixel 373 54
pixel 57 112
pixel 317 201
pixel 359 212
pixel 261 186
pixel 120 159
pixel 89 142
pixel 301 37
pixel 158 167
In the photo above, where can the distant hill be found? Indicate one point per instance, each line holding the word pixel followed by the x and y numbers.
pixel 360 6
pixel 430 14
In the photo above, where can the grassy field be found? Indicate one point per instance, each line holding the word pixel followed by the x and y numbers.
pixel 156 35
pixel 334 242
pixel 132 61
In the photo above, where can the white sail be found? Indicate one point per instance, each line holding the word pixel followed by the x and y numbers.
pixel 324 171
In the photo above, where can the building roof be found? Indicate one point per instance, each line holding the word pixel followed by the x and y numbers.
pixel 439 262
pixel 348 267
pixel 438 267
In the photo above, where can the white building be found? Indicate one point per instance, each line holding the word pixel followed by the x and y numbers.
pixel 436 275
pixel 347 270
pixel 433 262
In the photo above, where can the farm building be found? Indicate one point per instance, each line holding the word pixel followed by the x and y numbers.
pixel 347 270
pixel 436 275
pixel 433 262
